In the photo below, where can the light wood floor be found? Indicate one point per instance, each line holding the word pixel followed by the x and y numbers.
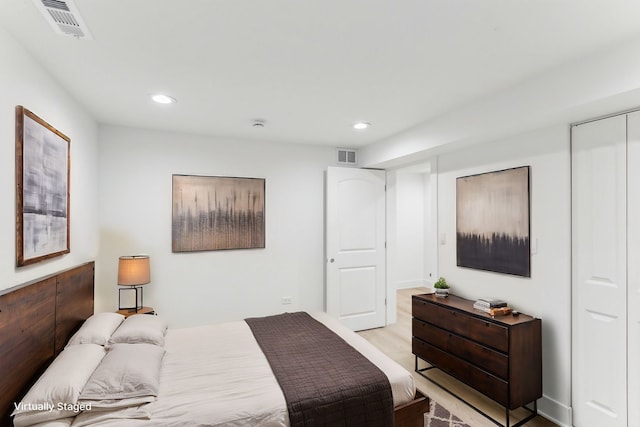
pixel 395 341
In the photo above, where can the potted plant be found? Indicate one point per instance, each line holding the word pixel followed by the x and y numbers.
pixel 441 287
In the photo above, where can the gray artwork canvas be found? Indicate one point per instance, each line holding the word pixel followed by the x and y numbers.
pixel 217 213
pixel 492 221
pixel 44 200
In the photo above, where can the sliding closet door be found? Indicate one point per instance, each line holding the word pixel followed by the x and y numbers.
pixel 633 281
pixel 599 273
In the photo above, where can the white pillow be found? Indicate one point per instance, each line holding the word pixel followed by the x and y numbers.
pixel 97 329
pixel 128 372
pixel 140 328
pixel 59 386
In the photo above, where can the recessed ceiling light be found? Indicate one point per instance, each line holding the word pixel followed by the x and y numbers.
pixel 361 125
pixel 163 99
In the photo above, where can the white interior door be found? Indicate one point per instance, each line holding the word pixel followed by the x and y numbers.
pixel 355 239
pixel 633 269
pixel 599 275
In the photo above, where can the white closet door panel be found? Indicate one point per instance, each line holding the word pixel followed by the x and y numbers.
pixel 633 284
pixel 599 273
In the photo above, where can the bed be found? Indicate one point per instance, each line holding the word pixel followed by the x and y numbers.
pixel 199 381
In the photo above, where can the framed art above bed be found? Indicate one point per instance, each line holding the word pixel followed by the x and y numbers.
pixel 42 189
pixel 215 213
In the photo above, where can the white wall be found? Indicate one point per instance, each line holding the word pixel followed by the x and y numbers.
pixel 547 294
pixel 197 288
pixel 430 243
pixel 412 226
pixel 409 255
pixel 24 82
pixel 405 235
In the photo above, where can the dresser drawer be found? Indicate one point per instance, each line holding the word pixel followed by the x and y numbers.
pixel 431 334
pixel 489 333
pixel 484 382
pixel 444 318
pixel 484 357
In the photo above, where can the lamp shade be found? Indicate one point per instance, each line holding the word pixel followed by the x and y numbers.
pixel 133 270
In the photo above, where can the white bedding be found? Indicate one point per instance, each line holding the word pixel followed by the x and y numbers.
pixel 217 375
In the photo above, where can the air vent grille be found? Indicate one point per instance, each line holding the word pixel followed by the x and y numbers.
pixel 347 156
pixel 55 4
pixel 64 18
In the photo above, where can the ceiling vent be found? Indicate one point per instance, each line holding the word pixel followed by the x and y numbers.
pixel 64 18
pixel 347 157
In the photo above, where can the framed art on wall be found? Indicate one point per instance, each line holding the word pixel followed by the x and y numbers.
pixel 493 221
pixel 42 189
pixel 216 213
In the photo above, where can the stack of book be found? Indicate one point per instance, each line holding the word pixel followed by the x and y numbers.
pixel 492 306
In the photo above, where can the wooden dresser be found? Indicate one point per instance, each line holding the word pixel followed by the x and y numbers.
pixel 500 357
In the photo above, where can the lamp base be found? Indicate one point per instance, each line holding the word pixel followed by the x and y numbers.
pixel 139 298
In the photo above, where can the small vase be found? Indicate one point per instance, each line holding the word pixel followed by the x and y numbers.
pixel 442 293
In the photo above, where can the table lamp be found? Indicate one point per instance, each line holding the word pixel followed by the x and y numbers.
pixel 134 272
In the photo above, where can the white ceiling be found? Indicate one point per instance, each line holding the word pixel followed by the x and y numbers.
pixel 309 68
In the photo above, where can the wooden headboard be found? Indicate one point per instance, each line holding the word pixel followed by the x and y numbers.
pixel 36 321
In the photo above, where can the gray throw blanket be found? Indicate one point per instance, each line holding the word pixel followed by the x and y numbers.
pixel 325 381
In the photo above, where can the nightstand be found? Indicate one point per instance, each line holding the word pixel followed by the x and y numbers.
pixel 129 311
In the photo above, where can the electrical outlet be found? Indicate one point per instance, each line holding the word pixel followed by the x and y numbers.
pixel 286 300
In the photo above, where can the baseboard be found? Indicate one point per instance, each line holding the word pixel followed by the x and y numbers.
pixel 555 411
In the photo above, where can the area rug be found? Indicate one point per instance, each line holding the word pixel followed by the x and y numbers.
pixel 438 416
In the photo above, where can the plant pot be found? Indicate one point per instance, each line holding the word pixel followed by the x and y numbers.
pixel 442 293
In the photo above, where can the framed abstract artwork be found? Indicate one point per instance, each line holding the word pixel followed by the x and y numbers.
pixel 493 221
pixel 217 213
pixel 42 189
